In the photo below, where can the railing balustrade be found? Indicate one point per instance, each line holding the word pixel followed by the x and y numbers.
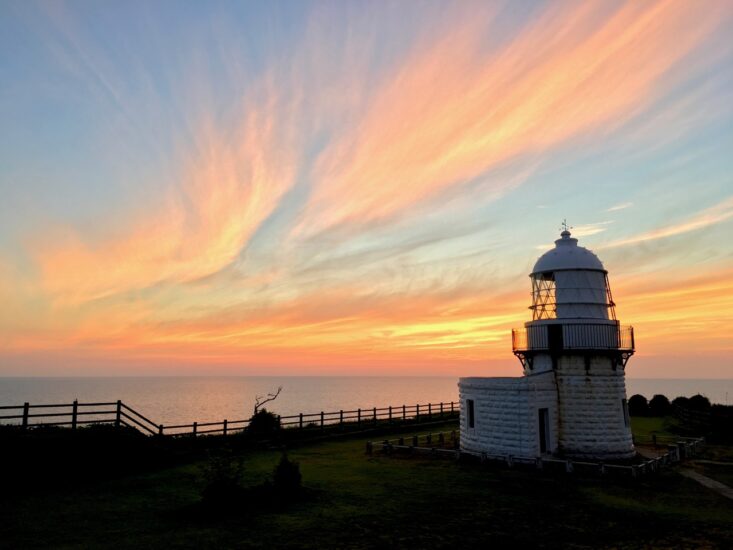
pixel 574 336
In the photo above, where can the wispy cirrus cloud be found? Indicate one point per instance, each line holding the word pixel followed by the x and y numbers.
pixel 621 206
pixel 710 216
pixel 449 113
pixel 445 114
pixel 588 229
pixel 198 227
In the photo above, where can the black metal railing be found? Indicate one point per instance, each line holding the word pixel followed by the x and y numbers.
pixel 573 336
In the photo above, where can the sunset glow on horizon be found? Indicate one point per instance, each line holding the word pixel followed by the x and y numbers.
pixel 357 188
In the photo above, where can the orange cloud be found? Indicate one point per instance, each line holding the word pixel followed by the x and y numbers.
pixel 449 114
pixel 680 313
pixel 233 182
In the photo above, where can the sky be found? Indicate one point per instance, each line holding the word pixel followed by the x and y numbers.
pixel 280 188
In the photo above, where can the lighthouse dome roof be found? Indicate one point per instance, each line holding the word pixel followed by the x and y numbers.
pixel 567 255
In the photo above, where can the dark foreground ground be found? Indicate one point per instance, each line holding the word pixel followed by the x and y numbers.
pixel 358 501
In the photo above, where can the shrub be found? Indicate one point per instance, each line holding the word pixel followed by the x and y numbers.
pixel 222 473
pixel 698 403
pixel 263 424
pixel 680 402
pixel 660 406
pixel 638 405
pixel 286 477
pixel 693 415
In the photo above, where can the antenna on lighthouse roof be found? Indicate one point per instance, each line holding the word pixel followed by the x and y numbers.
pixel 565 227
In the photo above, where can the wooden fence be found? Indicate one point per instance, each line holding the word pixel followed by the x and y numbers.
pixel 77 414
pixel 117 413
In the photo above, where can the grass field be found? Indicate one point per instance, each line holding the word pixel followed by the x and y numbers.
pixel 360 501
pixel 644 426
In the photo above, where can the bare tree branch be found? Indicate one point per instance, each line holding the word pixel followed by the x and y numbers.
pixel 260 400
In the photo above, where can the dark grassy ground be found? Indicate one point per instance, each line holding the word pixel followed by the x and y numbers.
pixel 715 461
pixel 357 501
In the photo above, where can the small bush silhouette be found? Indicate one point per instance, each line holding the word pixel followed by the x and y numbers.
pixel 698 403
pixel 286 477
pixel 263 424
pixel 638 406
pixel 660 406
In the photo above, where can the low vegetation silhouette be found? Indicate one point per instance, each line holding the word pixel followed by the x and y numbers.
pixel 263 424
pixel 224 493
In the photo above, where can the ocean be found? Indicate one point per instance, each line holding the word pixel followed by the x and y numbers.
pixel 178 400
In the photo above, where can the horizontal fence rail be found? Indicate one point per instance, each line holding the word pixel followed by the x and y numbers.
pixel 118 414
pixel 356 418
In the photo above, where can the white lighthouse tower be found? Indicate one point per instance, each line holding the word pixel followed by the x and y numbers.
pixel 571 400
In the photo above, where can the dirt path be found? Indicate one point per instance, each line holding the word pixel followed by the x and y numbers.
pixel 705 481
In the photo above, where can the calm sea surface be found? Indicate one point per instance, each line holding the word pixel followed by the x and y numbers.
pixel 173 400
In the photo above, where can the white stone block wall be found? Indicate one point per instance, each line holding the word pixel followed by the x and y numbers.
pixel 592 422
pixel 586 409
pixel 506 414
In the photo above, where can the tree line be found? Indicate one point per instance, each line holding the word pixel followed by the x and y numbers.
pixel 693 416
pixel 660 405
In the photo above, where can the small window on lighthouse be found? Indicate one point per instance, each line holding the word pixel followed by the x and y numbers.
pixel 470 419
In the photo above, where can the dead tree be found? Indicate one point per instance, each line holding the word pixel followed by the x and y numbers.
pixel 261 400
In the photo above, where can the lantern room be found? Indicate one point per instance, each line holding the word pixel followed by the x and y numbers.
pixel 569 282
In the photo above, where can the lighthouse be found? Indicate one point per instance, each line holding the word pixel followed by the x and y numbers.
pixel 571 399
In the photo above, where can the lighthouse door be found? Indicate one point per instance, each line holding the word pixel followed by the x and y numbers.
pixel 544 420
pixel 554 337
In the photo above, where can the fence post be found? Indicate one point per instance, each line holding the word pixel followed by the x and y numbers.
pixel 26 407
pixel 417 412
pixel 430 411
pixel 74 410
pixel 160 429
pixel 451 406
pixel 375 416
pixel 441 409
pixel 225 426
pixel 358 418
pixel 321 419
pixel 390 414
pixel 414 441
pixel 195 428
pixel 300 421
pixel 341 418
pixel 118 414
pixel 404 413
